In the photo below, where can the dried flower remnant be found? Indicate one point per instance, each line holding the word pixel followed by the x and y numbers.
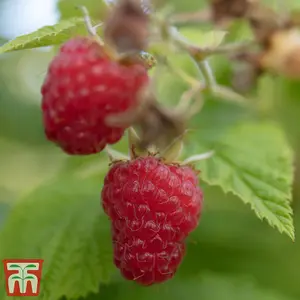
pixel 159 125
pixel 279 39
pixel 265 22
pixel 278 46
pixel 283 54
pixel 224 10
pixel 126 28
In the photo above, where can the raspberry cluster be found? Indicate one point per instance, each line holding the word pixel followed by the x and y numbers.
pixel 95 90
pixel 153 207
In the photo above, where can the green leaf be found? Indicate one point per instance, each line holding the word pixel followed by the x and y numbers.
pixel 254 162
pixel 68 8
pixel 46 36
pixel 17 277
pixel 205 287
pixel 63 224
pixel 209 39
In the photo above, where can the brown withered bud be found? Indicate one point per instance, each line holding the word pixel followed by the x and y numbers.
pixel 158 125
pixel 265 22
pixel 223 10
pixel 283 54
pixel 279 41
pixel 126 27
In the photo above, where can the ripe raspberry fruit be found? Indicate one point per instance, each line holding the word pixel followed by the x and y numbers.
pixel 83 86
pixel 153 207
pixel 148 262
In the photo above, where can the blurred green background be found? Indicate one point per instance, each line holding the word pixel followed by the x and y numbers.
pixel 232 255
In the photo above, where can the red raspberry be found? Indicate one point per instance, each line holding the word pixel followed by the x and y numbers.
pixel 148 262
pixel 153 207
pixel 83 86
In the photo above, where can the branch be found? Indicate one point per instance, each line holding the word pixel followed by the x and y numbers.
pixel 202 16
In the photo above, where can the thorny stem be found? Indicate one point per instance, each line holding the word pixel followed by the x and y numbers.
pixel 92 30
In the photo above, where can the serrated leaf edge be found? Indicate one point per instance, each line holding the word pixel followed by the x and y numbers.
pixel 13 45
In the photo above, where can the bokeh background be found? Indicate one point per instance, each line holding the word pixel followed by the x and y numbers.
pixel 233 255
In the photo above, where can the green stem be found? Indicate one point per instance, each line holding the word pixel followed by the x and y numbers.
pixel 92 30
pixel 205 52
pixel 199 55
pixel 212 87
pixel 229 48
pixel 207 73
pixel 229 95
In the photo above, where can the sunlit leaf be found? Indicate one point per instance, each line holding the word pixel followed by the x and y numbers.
pixel 46 36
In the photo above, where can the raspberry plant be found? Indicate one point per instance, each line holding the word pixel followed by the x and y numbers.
pixel 186 119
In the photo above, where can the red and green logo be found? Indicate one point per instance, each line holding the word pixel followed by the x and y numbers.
pixel 23 276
